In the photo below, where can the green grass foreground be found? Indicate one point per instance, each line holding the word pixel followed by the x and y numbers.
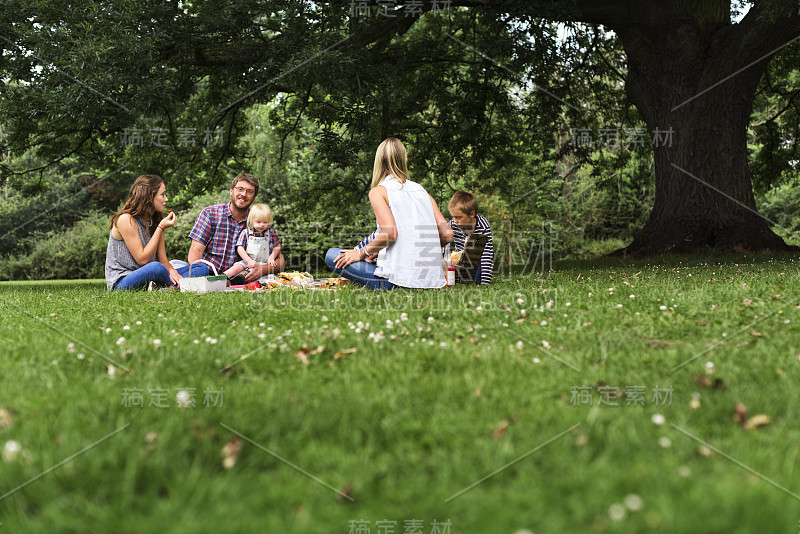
pixel 461 411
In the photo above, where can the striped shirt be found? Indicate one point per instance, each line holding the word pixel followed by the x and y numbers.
pixel 367 240
pixel 217 230
pixel 487 258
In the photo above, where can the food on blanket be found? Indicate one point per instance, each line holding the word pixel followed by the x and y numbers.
pixel 455 256
pixel 295 279
pixel 333 283
pixel 252 286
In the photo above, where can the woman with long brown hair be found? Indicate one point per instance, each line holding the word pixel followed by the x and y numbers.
pixel 136 254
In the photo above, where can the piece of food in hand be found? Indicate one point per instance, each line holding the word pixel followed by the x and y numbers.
pixel 455 256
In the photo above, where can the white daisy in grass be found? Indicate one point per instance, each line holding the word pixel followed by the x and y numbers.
pixel 633 502
pixel 11 450
pixel 183 399
pixel 616 512
pixel 658 419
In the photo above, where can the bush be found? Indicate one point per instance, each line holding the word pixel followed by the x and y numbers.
pixel 78 252
pixel 781 205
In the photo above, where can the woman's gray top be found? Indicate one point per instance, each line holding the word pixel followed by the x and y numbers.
pixel 119 260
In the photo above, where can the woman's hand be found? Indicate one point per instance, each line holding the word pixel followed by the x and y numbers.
pixel 347 257
pixel 174 275
pixel 168 221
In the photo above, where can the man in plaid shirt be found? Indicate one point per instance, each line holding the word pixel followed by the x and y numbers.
pixel 217 228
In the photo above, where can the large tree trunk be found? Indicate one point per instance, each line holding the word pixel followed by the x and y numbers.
pixel 704 197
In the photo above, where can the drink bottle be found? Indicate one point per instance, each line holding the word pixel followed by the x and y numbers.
pixel 451 269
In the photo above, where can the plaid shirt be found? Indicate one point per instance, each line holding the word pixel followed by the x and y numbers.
pixel 252 232
pixel 217 230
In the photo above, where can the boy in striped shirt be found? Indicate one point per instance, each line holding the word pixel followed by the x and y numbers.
pixel 466 221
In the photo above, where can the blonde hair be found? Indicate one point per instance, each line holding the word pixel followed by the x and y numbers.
pixel 259 212
pixel 463 201
pixel 390 158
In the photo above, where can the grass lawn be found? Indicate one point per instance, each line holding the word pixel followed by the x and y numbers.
pixel 600 399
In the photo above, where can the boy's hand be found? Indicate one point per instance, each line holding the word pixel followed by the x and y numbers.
pixel 251 264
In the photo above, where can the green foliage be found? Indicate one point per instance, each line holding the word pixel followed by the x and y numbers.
pixel 781 205
pixel 78 252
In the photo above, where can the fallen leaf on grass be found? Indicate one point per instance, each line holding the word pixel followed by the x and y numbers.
pixel 704 382
pixel 502 426
pixel 757 421
pixel 344 352
pixel 757 334
pixel 305 352
pixel 345 493
pixel 230 453
pixel 740 415
pixel 749 423
pixel 6 419
pixel 704 451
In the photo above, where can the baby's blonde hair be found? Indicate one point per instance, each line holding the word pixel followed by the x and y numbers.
pixel 259 212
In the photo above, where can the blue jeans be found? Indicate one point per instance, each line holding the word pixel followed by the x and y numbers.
pixel 360 272
pixel 155 272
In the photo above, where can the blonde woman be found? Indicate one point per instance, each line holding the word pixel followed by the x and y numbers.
pixel 411 231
